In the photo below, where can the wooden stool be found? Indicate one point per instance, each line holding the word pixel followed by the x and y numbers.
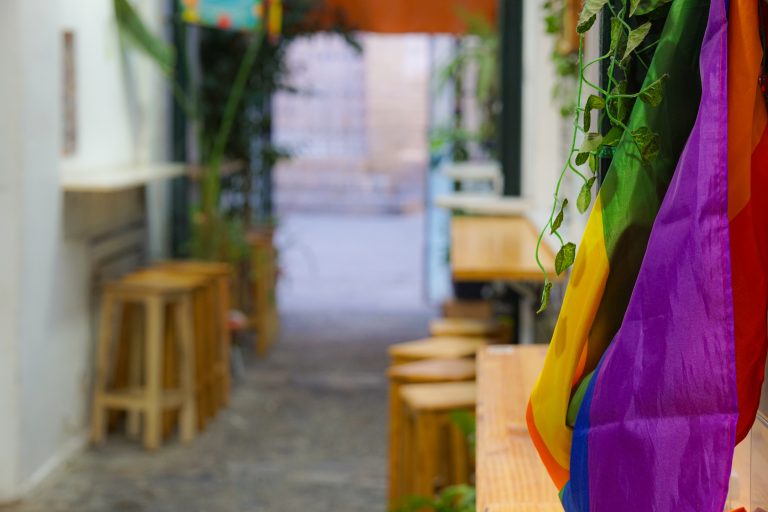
pixel 475 309
pixel 219 276
pixel 436 348
pixel 427 426
pixel 263 313
pixel 464 327
pixel 429 371
pixel 155 296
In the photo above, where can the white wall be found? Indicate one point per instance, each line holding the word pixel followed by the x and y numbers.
pixel 45 276
pixel 544 130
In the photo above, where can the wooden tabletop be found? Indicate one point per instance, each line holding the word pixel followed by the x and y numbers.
pixel 510 476
pixel 497 249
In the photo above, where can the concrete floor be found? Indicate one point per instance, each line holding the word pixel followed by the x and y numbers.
pixel 306 430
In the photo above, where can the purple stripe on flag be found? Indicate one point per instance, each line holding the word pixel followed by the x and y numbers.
pixel 664 410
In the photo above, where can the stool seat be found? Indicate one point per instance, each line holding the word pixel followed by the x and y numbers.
pixel 439 397
pixel 464 327
pixel 434 370
pixel 208 268
pixel 437 348
pixel 158 282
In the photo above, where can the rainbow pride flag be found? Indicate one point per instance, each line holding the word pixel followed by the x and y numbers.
pixel 615 240
pixel 656 364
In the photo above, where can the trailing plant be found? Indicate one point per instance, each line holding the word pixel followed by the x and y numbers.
pixel 631 22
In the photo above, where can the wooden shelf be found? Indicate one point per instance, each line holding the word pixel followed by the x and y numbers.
pixel 483 204
pixel 116 178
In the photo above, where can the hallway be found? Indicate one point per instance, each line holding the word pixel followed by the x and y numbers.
pixel 306 430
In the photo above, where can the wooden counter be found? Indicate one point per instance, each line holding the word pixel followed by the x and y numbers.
pixel 497 249
pixel 510 476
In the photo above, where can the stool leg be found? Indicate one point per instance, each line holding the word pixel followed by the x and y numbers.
pixel 226 340
pixel 426 426
pixel 201 361
pixel 99 412
pixel 154 366
pixel 188 422
pixel 395 444
pixel 459 456
pixel 136 364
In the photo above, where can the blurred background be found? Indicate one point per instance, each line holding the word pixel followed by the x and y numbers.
pixel 222 220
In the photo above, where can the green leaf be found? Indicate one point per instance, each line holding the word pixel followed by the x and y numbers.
pixel 640 7
pixel 613 136
pixel 653 93
pixel 648 142
pixel 591 143
pixel 593 162
pixel 589 14
pixel 585 196
pixel 636 37
pixel 581 158
pixel 585 25
pixel 618 37
pixel 545 297
pixel 559 219
pixel 619 107
pixel 593 103
pixel 565 257
pixel 135 31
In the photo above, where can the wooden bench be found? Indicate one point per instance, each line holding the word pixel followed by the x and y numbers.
pixel 510 475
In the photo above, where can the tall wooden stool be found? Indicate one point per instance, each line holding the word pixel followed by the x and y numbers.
pixel 429 432
pixel 464 327
pixel 164 299
pixel 219 276
pixel 429 371
pixel 436 348
pixel 263 312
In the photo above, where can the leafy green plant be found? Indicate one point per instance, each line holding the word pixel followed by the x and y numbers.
pixel 630 22
pixel 460 498
pixel 230 108
pixel 482 53
pixel 565 61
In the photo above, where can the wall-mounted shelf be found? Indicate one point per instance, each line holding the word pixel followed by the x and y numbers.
pixel 118 177
pixel 483 204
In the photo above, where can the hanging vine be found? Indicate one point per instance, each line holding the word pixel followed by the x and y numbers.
pixel 630 22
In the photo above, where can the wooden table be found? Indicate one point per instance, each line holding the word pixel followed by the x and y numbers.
pixel 510 476
pixel 497 249
pixel 503 249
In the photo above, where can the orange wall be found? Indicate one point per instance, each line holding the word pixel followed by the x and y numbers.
pixel 402 16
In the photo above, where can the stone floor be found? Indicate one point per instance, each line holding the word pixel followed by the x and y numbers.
pixel 306 430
